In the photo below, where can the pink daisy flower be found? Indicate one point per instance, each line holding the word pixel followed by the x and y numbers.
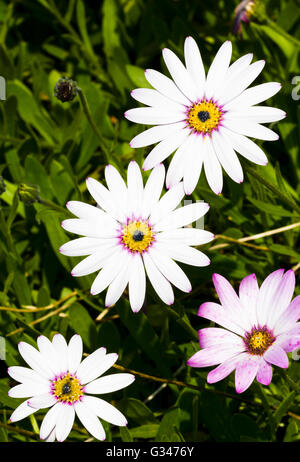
pixel 259 328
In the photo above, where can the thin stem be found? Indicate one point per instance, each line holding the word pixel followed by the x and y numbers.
pixel 182 322
pixel 288 201
pixel 290 381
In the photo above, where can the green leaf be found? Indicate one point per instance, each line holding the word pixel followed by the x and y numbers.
pixel 81 21
pixel 125 434
pixel 169 428
pixel 144 431
pixel 137 411
pixel 82 324
pixel 275 210
pixel 137 75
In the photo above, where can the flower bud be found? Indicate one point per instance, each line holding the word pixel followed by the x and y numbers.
pixel 29 193
pixel 65 89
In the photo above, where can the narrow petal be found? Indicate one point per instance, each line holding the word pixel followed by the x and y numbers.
pixel 105 410
pixel 24 374
pixel 61 348
pixel 153 189
pixel 277 356
pixel 154 116
pixel 264 374
pixel 214 336
pixel 218 69
pixel 176 168
pixel 252 129
pixel 90 368
pixel 166 86
pixel 247 148
pixel 49 421
pixel 49 354
pixel 135 189
pixel 288 318
pixel 166 147
pixel 254 95
pixel 95 261
pixel 266 295
pixel 153 98
pixel 160 284
pixel 137 283
pixel 182 216
pixel 179 74
pixel 183 253
pixel 34 359
pixel 224 369
pixel 87 246
pixel 282 297
pixel 42 401
pixel 216 313
pixel 257 114
pixel 110 270
pixel 212 167
pixel 194 165
pixel 226 156
pixel 167 203
pixel 64 422
pixel 194 65
pixel 188 236
pixel 109 383
pixel 118 285
pixel 103 197
pixel 89 420
pixel 91 228
pixel 245 372
pixel 214 355
pixel 21 412
pixel 155 134
pixel 170 270
pixel 75 349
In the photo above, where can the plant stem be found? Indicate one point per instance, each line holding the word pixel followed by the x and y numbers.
pixel 88 114
pixel 182 322
pixel 290 381
pixel 288 201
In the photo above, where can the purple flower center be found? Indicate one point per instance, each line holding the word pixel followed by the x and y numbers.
pixel 258 340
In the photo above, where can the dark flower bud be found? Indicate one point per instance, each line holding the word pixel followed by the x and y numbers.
pixel 65 89
pixel 29 193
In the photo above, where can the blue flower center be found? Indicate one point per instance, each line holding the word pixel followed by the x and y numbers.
pixel 138 235
pixel 203 116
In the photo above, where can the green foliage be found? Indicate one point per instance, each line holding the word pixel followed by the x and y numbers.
pixel 105 46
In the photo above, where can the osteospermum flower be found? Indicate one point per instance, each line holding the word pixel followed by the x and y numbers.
pixel 259 328
pixel 59 380
pixel 134 231
pixel 205 119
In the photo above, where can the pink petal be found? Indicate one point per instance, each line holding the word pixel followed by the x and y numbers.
pixel 264 374
pixel 224 369
pixel 277 356
pixel 245 373
pixel 248 293
pixel 216 313
pixel 289 317
pixel 214 336
pixel 266 295
pixel 213 355
pixel 282 296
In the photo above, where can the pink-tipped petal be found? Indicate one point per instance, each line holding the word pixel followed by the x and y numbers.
pixel 277 356
pixel 245 373
pixel 264 374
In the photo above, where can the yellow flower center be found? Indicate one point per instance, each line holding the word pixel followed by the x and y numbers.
pixel 67 389
pixel 137 236
pixel 258 340
pixel 204 117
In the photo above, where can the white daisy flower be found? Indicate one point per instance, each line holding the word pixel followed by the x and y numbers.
pixel 60 380
pixel 205 119
pixel 135 232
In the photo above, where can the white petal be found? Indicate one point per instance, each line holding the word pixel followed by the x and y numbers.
pixel 177 165
pixel 218 69
pixel 105 410
pixel 266 295
pixel 90 368
pixel 90 421
pixel 91 228
pixel 194 65
pixel 182 216
pixel 118 285
pixel 87 211
pixel 155 134
pixel 49 354
pixel 226 156
pixel 155 99
pixel 193 165
pixel 166 86
pixel 135 189
pixel 167 203
pixel 233 71
pixel 24 374
pixel 109 271
pixel 95 261
pixel 51 437
pixel 243 79
pixel 188 236
pixel 163 149
pixel 21 412
pixel 103 197
pixel 61 349
pixel 41 401
pixel 154 116
pixel 160 284
pixel 109 383
pixel 49 421
pixel 212 167
pixel 86 246
pixel 247 148
pixel 153 189
pixel 75 349
pixel 252 129
pixel 65 422
pixel 34 359
pixel 137 283
pixel 118 190
pixel 254 95
pixel 183 253
pixel 170 270
pixel 257 114
pixel 179 74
